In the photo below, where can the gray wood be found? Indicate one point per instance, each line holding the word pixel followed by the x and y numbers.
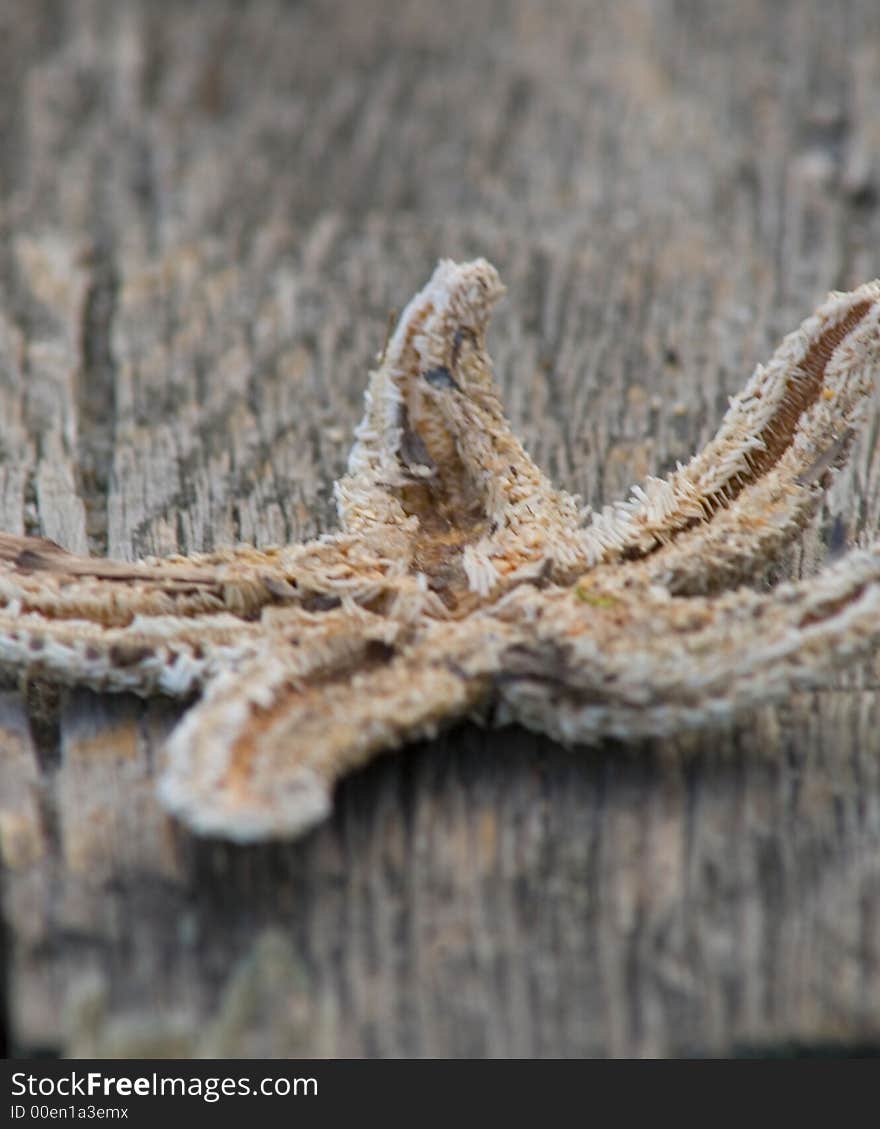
pixel 207 212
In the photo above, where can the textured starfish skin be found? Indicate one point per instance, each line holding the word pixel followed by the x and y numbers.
pixel 461 579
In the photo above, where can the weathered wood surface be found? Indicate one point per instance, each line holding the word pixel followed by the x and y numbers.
pixel 207 212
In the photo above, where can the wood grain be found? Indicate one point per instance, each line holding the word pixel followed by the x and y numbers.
pixel 207 212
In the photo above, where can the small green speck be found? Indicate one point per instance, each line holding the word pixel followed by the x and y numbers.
pixel 595 599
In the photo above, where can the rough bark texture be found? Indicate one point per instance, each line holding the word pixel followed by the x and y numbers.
pixel 207 212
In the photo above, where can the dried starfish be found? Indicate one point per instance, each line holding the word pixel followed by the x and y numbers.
pixel 461 580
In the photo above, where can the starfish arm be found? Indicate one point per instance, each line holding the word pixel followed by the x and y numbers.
pixel 632 662
pixel 258 757
pixel 436 460
pixel 39 577
pixel 737 504
pixel 152 655
pixel 167 626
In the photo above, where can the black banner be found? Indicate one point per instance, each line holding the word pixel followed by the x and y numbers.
pixel 319 1092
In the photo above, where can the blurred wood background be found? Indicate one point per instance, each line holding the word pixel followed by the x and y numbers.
pixel 207 211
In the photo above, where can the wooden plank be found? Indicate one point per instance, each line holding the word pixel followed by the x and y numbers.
pixel 207 212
